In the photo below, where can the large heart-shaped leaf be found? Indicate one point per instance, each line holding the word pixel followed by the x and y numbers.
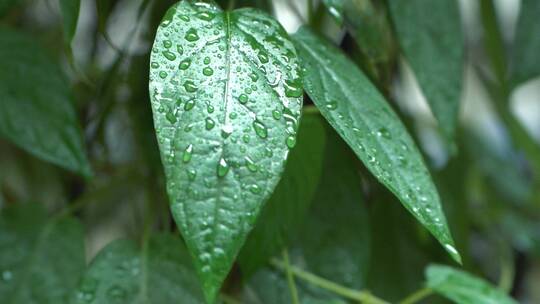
pixel 40 261
pixel 226 95
pixel 464 288
pixel 36 105
pixel 430 35
pixel 124 272
pixel 359 113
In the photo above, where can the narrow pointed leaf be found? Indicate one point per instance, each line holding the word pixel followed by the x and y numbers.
pixel 70 13
pixel 36 104
pixel 525 63
pixel 362 117
pixel 431 38
pixel 464 288
pixel 226 96
pixel 124 272
pixel 40 261
pixel 284 212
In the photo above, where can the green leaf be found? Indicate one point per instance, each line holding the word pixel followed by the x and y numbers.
pixel 5 5
pixel 123 272
pixel 462 287
pixel 70 11
pixel 360 115
pixel 284 211
pixel 104 9
pixel 37 111
pixel 40 261
pixel 334 242
pixel 226 94
pixel 525 63
pixel 431 38
pixel 270 287
pixel 336 8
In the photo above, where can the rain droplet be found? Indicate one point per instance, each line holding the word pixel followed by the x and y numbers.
pixel 243 98
pixel 276 114
pixel 171 117
pixel 222 168
pixel 180 49
pixel 206 60
pixel 383 132
pixel 226 131
pixel 191 35
pixel 192 174
pixel 210 108
pixel 190 86
pixel 169 55
pixel 163 74
pixel 154 65
pixel 331 105
pixel 167 43
pixel 206 16
pixel 184 65
pixel 208 71
pixel 293 88
pixel 250 164
pixel 188 153
pixel 263 57
pixel 189 104
pixel 290 141
pixel 260 129
pixel 209 123
pixel 255 189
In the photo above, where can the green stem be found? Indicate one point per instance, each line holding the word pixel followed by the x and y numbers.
pixel 228 299
pixel 506 278
pixel 290 278
pixel 361 296
pixel 417 296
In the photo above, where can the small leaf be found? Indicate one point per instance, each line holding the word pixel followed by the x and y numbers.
pixel 216 80
pixel 40 261
pixel 270 287
pixel 70 12
pixel 123 272
pixel 430 36
pixel 286 208
pixel 463 288
pixel 36 105
pixel 334 241
pixel 360 115
pixel 525 63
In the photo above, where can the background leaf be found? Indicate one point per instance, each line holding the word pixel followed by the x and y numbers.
pixel 124 272
pixel 40 261
pixel 430 36
pixel 36 105
pixel 226 95
pixel 462 287
pixel 361 116
pixel 70 13
pixel 525 63
pixel 283 214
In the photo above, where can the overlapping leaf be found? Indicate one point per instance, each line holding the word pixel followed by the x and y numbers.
pixel 124 272
pixel 366 122
pixel 36 105
pixel 40 261
pixel 430 35
pixel 226 95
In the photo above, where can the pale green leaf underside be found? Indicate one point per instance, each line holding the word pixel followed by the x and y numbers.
pixel 125 273
pixel 362 117
pixel 430 36
pixel 40 261
pixel 226 96
pixel 463 288
pixel 36 106
pixel 525 63
pixel 70 14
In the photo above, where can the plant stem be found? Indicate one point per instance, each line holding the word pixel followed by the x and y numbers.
pixel 290 277
pixel 361 296
pixel 228 299
pixel 417 296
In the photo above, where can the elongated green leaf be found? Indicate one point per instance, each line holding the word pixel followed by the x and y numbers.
pixel 284 211
pixel 270 287
pixel 70 12
pixel 36 106
pixel 40 261
pixel 334 241
pixel 123 272
pixel 525 63
pixel 430 35
pixel 226 95
pixel 366 122
pixel 464 288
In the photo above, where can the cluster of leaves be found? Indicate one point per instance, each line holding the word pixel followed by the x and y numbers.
pixel 279 197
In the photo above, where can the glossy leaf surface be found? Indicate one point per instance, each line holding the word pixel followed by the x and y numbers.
pixel 226 95
pixel 284 212
pixel 70 12
pixel 463 288
pixel 430 36
pixel 124 272
pixel 362 117
pixel 40 261
pixel 525 63
pixel 36 105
